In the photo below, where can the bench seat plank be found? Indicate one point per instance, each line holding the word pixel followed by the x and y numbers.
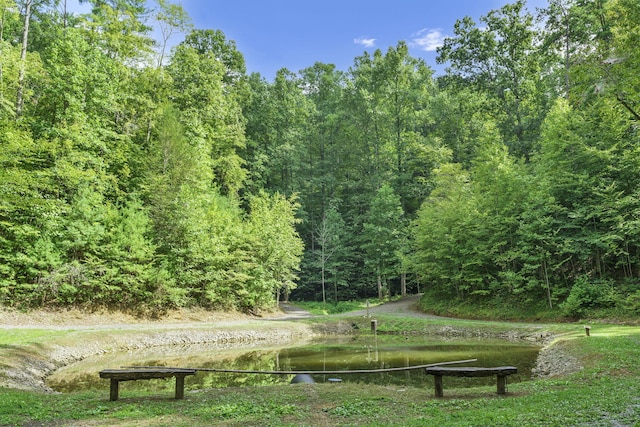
pixel 143 374
pixel 500 372
pixel 117 375
pixel 472 371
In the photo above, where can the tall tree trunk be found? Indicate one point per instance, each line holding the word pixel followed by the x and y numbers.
pixel 65 14
pixel 546 279
pixel 23 59
pixel 4 12
pixel 379 287
pixel 403 284
pixel 324 296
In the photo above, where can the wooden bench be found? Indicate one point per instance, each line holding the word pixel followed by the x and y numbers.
pixel 501 373
pixel 117 375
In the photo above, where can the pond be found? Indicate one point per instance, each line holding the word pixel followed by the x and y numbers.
pixel 333 354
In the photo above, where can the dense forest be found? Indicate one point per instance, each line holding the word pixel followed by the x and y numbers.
pixel 136 175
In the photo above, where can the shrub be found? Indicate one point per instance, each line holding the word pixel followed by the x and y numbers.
pixel 632 303
pixel 587 294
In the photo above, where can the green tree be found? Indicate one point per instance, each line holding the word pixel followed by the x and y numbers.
pixel 278 116
pixel 171 164
pixel 499 184
pixel 500 60
pixel 319 156
pixel 214 44
pixel 383 228
pixel 118 27
pixel 406 92
pixel 575 168
pixel 450 254
pixel 8 14
pixel 328 234
pixel 277 248
pixel 570 26
pixel 27 8
pixel 23 57
pixel 620 79
pixel 172 19
pixel 212 116
pixel 30 213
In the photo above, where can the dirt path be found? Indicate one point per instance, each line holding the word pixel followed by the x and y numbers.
pixel 293 312
pixel 407 306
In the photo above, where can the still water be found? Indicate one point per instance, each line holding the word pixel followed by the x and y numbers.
pixel 345 353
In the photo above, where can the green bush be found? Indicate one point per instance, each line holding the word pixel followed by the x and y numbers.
pixel 587 294
pixel 632 303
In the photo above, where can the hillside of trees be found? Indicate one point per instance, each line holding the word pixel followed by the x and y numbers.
pixel 135 176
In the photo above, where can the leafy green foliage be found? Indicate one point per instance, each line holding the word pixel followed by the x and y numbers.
pixel 119 188
pixel 133 179
pixel 448 244
pixel 497 59
pixel 383 230
pixel 588 294
pixel 277 248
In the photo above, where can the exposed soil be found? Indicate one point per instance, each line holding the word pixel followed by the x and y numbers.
pixel 26 367
pixel 79 319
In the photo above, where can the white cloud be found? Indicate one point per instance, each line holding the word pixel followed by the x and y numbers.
pixel 428 39
pixel 366 42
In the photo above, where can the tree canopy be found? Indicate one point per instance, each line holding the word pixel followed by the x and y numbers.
pixel 136 176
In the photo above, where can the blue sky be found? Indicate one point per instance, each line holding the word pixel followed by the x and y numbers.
pixel 294 34
pixel 272 34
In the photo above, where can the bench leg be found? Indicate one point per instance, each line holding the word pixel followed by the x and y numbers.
pixel 438 382
pixel 113 390
pixel 179 386
pixel 502 384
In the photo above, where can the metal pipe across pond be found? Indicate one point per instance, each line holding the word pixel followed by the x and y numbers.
pixel 356 371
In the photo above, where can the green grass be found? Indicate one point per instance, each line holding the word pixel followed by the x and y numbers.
pixel 605 393
pixel 593 397
pixel 27 336
pixel 401 324
pixel 499 308
pixel 514 309
pixel 323 309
